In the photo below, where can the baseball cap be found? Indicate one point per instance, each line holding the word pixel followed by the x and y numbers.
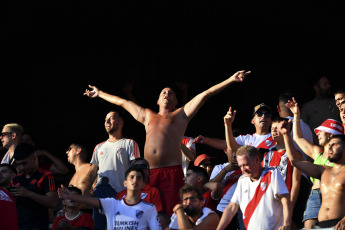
pixel 200 158
pixel 261 106
pixel 330 126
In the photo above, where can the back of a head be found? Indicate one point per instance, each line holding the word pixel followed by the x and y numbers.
pixel 199 171
pixel 22 151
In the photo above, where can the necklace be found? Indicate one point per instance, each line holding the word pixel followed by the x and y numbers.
pixel 334 175
pixel 72 218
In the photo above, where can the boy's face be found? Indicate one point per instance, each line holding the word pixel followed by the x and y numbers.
pixel 134 181
pixel 71 203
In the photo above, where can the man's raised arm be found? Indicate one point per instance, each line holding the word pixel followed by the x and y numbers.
pixel 192 107
pixel 135 110
pixel 305 166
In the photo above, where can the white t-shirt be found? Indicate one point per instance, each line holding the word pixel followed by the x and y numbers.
pixel 268 211
pixel 174 223
pixel 121 215
pixel 113 160
pixel 258 141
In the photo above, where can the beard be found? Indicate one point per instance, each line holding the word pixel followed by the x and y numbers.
pixel 191 211
pixel 336 157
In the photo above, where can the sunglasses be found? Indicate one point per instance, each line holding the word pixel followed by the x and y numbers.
pixel 5 133
pixel 267 114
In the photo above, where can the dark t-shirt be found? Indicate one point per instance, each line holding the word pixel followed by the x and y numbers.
pixel 30 213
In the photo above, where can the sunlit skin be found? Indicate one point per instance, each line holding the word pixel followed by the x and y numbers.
pixel 339 97
pixel 112 122
pixel 79 178
pixel 332 190
pixel 262 124
pixel 7 138
pixel 250 167
pixel 165 129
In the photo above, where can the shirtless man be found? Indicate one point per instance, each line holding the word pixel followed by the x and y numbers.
pixel 332 210
pixel 164 132
pixel 76 155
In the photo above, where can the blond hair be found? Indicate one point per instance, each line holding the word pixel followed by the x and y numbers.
pixel 15 128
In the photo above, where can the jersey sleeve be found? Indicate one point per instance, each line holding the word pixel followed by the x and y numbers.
pixel 279 186
pixel 108 204
pixel 94 159
pixel 133 150
pixel 153 219
pixel 48 184
pixel 242 139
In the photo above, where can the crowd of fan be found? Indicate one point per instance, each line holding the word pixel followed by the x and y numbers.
pixel 287 175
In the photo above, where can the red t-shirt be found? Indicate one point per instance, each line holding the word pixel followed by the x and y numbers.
pixel 8 211
pixel 84 220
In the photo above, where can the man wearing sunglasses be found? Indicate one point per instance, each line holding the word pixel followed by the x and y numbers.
pixel 10 137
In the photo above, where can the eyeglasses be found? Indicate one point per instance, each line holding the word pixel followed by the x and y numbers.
pixel 5 133
pixel 267 114
pixel 143 166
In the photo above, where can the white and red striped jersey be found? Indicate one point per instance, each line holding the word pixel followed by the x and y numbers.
pixel 258 200
pixel 280 161
pixel 258 141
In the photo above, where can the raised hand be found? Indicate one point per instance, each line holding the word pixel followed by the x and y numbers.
pixel 199 139
pixel 293 106
pixel 93 93
pixel 239 75
pixel 284 127
pixel 230 116
pixel 64 193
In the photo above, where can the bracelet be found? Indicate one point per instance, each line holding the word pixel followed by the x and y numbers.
pixel 296 120
pixel 178 209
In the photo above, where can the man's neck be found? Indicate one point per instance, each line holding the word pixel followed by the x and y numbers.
pixel 262 132
pixel 280 145
pixel 165 110
pixel 133 197
pixel 258 175
pixel 78 164
pixel 114 137
pixel 195 218
pixel 11 150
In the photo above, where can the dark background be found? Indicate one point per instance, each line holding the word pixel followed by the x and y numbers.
pixel 51 51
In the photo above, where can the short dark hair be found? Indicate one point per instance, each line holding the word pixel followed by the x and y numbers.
pixel 132 162
pixel 341 137
pixel 200 172
pixel 84 153
pixel 279 119
pixel 285 97
pixel 188 188
pixel 136 169
pixel 339 92
pixel 22 151
pixel 10 167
